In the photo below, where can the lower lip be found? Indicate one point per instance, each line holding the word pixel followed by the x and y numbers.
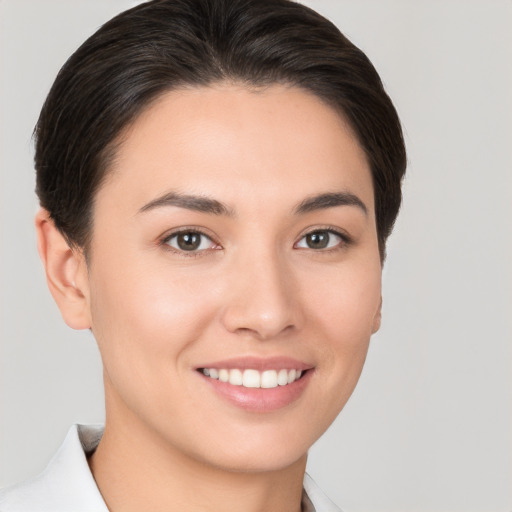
pixel 260 399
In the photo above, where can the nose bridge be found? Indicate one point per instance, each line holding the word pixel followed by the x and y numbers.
pixel 262 301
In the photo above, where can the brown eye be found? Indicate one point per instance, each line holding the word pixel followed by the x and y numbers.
pixel 190 241
pixel 320 239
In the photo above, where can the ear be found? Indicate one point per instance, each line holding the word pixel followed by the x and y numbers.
pixel 66 272
pixel 377 318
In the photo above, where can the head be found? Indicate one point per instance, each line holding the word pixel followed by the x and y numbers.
pixel 255 136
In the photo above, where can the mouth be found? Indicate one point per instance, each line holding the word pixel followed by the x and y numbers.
pixel 258 385
pixel 252 378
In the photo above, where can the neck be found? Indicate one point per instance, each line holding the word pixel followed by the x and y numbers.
pixel 136 470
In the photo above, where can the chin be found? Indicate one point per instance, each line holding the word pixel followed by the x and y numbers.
pixel 257 450
pixel 260 462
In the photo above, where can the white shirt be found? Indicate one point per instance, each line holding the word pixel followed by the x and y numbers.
pixel 67 484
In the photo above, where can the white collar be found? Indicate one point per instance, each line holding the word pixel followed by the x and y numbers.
pixel 67 483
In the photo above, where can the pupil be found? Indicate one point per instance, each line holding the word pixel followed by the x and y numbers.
pixel 189 241
pixel 318 240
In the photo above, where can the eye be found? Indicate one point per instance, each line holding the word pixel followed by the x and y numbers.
pixel 320 239
pixel 190 241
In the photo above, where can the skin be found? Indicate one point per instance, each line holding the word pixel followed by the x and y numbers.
pixel 255 288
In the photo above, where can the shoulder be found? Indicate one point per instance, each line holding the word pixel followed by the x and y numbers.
pixel 66 484
pixel 30 495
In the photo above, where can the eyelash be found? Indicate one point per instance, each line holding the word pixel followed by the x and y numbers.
pixel 164 242
pixel 346 240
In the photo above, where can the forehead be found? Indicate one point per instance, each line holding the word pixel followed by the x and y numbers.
pixel 233 142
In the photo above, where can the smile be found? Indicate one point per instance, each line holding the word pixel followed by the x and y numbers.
pixel 255 384
pixel 251 378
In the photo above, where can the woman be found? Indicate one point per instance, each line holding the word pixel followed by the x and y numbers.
pixel 217 182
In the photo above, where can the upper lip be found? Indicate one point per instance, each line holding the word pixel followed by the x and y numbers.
pixel 258 363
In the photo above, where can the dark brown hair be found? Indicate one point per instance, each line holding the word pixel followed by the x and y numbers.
pixel 161 45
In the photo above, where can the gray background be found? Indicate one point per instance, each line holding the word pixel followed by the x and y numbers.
pixel 429 427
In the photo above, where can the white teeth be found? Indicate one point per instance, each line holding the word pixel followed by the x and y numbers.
pixel 269 379
pixel 253 378
pixel 235 377
pixel 282 377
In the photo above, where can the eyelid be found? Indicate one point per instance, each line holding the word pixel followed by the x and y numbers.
pixel 164 240
pixel 345 237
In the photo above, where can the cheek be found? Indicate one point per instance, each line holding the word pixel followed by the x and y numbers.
pixel 347 303
pixel 143 314
pixel 144 321
pixel 343 313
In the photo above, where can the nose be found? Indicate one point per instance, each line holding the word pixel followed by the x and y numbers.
pixel 263 299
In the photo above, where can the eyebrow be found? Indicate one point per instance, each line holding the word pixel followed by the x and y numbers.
pixel 330 200
pixel 190 202
pixel 212 206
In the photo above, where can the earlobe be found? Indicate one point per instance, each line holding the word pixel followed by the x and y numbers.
pixel 377 318
pixel 66 272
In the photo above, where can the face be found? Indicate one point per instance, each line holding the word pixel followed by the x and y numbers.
pixel 234 279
